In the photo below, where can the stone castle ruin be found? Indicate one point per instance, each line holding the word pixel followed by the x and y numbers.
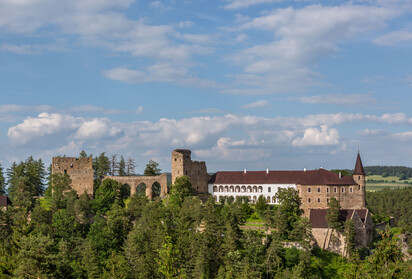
pixel 315 187
pixel 151 186
pixel 182 164
pixel 80 171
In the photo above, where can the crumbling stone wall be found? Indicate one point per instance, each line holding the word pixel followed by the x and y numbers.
pixel 149 181
pixel 182 164
pixel 349 197
pixel 80 171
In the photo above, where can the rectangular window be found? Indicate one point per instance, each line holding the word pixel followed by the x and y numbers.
pixel 343 189
pixel 309 190
pixel 335 190
pixel 327 190
pixel 318 189
pixel 269 189
pixel 351 189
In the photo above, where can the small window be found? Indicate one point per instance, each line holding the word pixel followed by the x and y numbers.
pixel 309 190
pixel 269 189
pixel 318 189
pixel 186 172
pixel 359 187
pixel 198 172
pixel 65 171
pixel 359 177
pixel 327 190
pixel 327 200
pixel 335 190
pixel 308 199
pixel 71 165
pixel 175 159
pixel 351 189
pixel 318 199
pixel 343 189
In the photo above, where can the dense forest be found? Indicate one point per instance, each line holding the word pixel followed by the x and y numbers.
pixel 396 203
pixel 114 235
pixel 399 171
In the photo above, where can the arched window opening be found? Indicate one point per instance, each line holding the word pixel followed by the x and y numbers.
pixel 141 189
pixel 237 189
pixel 214 188
pixel 156 190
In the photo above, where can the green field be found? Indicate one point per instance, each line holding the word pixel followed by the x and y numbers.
pixel 377 182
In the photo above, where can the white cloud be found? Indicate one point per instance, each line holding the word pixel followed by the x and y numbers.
pixel 238 4
pixel 31 49
pixel 45 124
pixel 300 38
pixel 257 104
pixel 104 24
pixel 96 129
pixel 314 136
pixel 159 73
pixel 339 99
pixel 394 38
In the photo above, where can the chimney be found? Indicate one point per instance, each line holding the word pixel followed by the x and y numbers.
pixel 244 171
pixel 304 169
pixel 267 171
pixel 340 175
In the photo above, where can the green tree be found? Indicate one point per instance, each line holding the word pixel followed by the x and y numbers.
pixel 114 165
pixel 60 184
pixel 33 172
pixel 109 192
pixel 261 205
pixel 332 215
pixel 181 189
pixel 101 165
pixel 152 168
pixel 2 182
pixel 36 257
pixel 349 238
pixel 122 167
pixel 83 154
pixel 167 259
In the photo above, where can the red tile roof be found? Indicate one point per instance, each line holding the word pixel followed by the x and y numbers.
pixel 359 166
pixel 4 201
pixel 311 177
pixel 318 216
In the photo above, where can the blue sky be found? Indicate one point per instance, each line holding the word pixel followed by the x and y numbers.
pixel 250 84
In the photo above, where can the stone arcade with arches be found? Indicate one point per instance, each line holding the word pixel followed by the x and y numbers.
pixel 151 186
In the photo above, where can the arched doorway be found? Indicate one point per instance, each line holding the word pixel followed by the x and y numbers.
pixel 156 190
pixel 141 189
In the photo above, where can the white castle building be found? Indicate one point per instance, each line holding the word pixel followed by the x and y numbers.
pixel 250 184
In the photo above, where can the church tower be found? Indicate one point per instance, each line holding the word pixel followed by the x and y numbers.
pixel 360 178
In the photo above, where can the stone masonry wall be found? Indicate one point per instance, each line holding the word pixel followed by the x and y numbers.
pixel 182 164
pixel 318 196
pixel 80 171
pixel 134 181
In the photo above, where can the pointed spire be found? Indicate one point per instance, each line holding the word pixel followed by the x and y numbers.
pixel 358 166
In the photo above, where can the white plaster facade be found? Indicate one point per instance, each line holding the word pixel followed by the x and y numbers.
pixel 253 191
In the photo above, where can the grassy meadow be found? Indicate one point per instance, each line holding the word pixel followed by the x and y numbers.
pixel 378 182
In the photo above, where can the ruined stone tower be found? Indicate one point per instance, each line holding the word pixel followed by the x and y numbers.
pixel 182 164
pixel 80 171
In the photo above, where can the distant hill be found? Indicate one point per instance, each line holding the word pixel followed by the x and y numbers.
pixel 384 171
